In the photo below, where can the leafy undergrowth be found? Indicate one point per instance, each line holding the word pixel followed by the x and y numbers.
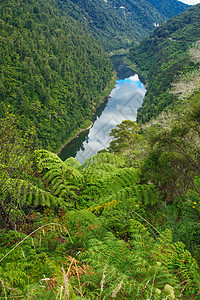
pixel 119 226
pixel 81 259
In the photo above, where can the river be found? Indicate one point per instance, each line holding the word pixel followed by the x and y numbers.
pixel 122 104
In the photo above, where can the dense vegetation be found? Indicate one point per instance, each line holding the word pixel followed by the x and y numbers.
pixel 120 23
pixel 53 73
pixel 126 223
pixel 169 8
pixel 163 57
pixel 104 229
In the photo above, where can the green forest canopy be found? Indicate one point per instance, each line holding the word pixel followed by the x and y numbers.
pixel 120 23
pixel 163 57
pixel 53 73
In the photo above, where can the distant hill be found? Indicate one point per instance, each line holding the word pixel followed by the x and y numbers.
pixel 163 57
pixel 52 72
pixel 169 8
pixel 120 23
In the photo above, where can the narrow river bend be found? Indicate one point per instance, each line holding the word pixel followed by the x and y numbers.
pixel 122 104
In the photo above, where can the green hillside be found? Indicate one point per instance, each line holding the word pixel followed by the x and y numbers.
pixel 115 24
pixel 53 72
pixel 169 8
pixel 121 23
pixel 164 56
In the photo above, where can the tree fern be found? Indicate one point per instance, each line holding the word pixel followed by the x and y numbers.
pixel 114 181
pixel 52 164
pixel 27 194
pixel 62 176
pixel 104 158
pixel 72 162
pixel 137 195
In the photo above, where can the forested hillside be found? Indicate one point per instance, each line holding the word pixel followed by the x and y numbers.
pixel 53 73
pixel 169 8
pixel 121 23
pixel 126 223
pixel 163 57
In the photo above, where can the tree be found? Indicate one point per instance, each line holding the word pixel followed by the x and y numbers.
pixel 127 140
pixel 173 161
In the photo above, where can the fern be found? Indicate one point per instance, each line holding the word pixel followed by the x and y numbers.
pixel 72 162
pixel 146 264
pixel 104 158
pixel 27 194
pixel 63 177
pixel 134 194
pixel 114 181
pixel 54 166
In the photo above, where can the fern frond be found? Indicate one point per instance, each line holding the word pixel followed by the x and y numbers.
pixel 135 194
pixel 104 158
pixel 105 206
pixel 91 175
pixel 113 182
pixel 26 193
pixel 51 163
pixel 61 176
pixel 72 162
pixel 146 193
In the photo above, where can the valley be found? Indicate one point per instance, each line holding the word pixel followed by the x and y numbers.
pixel 122 104
pixel 117 213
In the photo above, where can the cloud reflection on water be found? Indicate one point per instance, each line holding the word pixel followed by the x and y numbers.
pixel 125 99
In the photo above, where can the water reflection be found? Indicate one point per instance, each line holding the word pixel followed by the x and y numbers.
pixel 123 103
pixel 125 99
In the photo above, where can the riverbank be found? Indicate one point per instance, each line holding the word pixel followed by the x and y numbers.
pixel 105 93
pixel 125 98
pixel 118 52
pixel 134 67
pixel 75 136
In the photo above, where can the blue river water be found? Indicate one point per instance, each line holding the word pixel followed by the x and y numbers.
pixel 122 104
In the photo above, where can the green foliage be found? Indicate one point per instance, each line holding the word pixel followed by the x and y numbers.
pixel 115 27
pixel 183 217
pixel 104 158
pixel 172 165
pixel 127 141
pixel 125 136
pixel 163 57
pixel 94 240
pixel 173 158
pixel 169 8
pixel 91 181
pixel 97 230
pixel 20 190
pixel 96 262
pixel 53 72
pixel 144 264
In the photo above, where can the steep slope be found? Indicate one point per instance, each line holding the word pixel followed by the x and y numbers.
pixel 115 23
pixel 163 57
pixel 169 8
pixel 52 71
pixel 119 23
